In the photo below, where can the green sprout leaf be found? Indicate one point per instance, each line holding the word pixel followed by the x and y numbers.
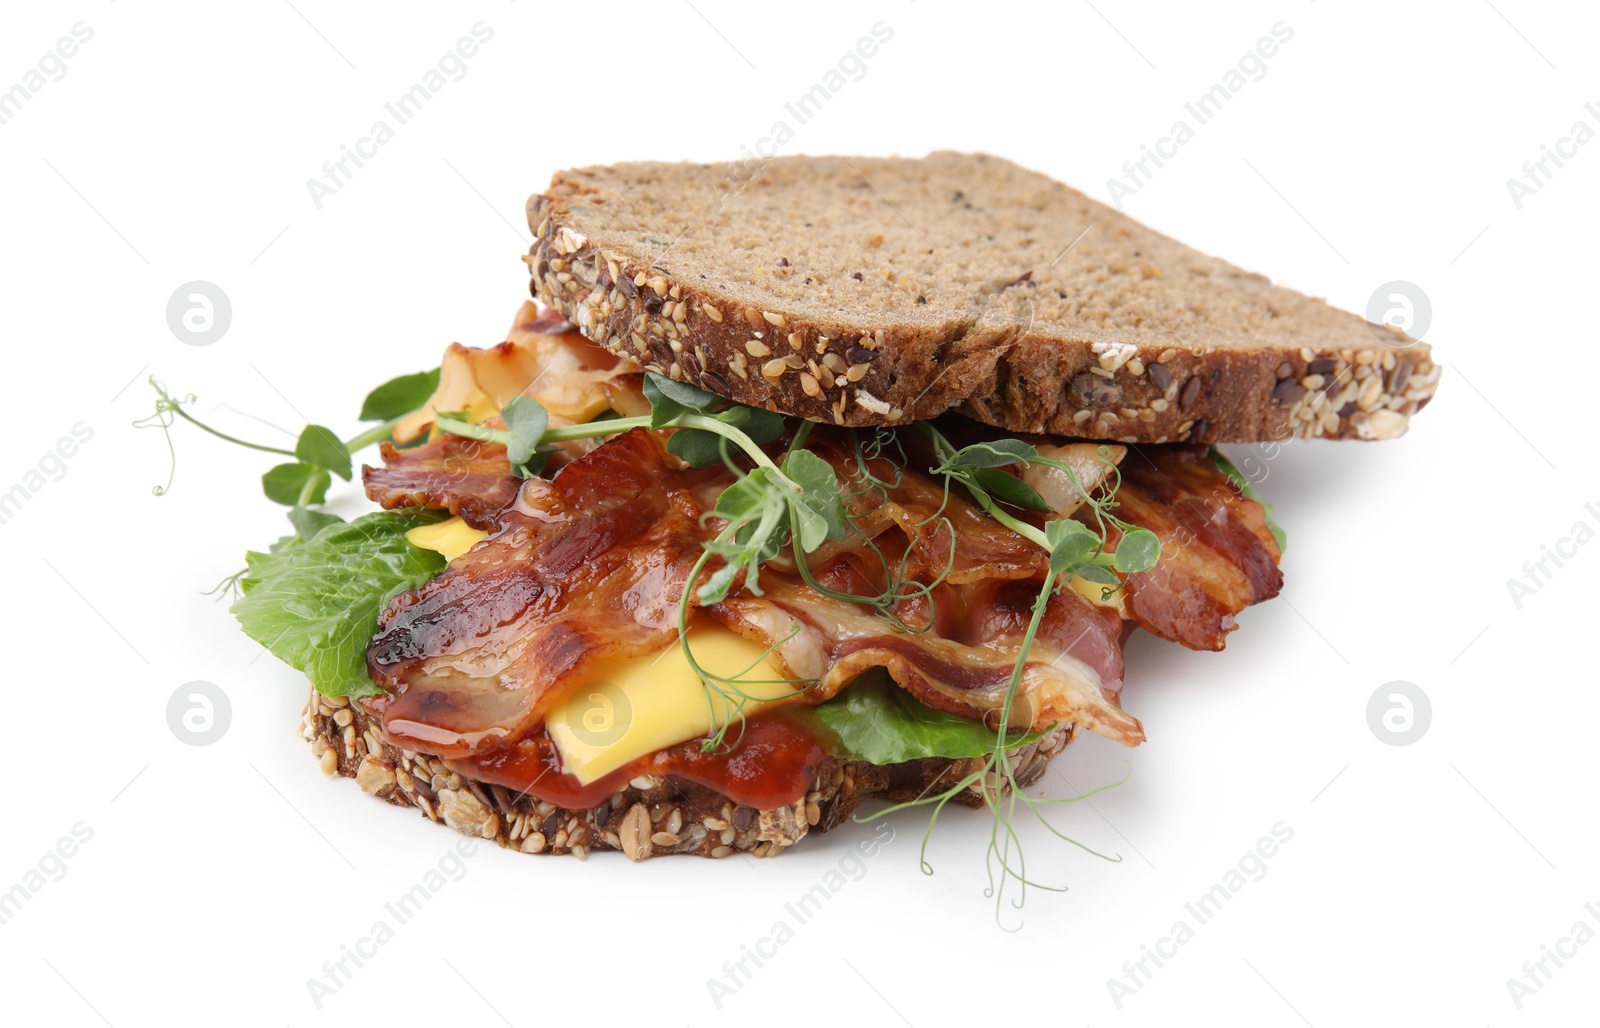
pixel 319 446
pixel 819 507
pixel 668 399
pixel 315 605
pixel 756 509
pixel 1099 574
pixel 762 426
pixel 1072 545
pixel 286 484
pixel 697 447
pixel 1138 550
pixel 399 396
pixel 526 420
pixel 996 454
pixel 1008 487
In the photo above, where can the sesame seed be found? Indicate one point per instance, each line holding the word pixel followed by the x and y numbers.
pixel 713 314
pixel 857 372
pixel 774 369
pixel 756 348
pixel 867 401
pixel 809 385
pixel 754 317
pixel 659 284
pixel 773 319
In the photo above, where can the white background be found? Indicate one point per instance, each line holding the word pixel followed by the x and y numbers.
pixel 1377 147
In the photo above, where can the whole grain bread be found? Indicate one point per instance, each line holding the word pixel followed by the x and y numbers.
pixel 878 290
pixel 653 816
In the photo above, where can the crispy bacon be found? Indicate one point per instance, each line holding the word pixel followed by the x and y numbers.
pixel 1073 673
pixel 1217 556
pixel 454 473
pixel 591 563
pixel 544 357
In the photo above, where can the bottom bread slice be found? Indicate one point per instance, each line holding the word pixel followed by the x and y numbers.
pixel 653 816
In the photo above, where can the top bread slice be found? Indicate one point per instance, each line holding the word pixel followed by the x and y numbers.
pixel 862 291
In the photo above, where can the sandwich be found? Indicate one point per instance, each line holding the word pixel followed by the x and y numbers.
pixel 842 482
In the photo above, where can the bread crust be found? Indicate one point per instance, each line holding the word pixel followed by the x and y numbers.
pixel 652 817
pixel 1335 376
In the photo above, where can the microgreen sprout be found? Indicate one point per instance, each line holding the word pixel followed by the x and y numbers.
pixel 1074 549
pixel 318 453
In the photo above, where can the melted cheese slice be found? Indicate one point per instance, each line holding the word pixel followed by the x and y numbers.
pixel 451 538
pixel 635 707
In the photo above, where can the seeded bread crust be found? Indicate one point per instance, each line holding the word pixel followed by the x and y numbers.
pixel 652 817
pixel 863 291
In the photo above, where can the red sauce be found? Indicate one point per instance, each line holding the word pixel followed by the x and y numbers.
pixel 772 765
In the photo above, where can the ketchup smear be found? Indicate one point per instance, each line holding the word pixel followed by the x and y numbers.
pixel 773 764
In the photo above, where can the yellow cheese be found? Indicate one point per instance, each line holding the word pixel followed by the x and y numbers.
pixel 451 538
pixel 1092 591
pixel 637 707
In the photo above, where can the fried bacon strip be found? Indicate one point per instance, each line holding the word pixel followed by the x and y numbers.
pixel 587 565
pixel 454 473
pixel 544 357
pixel 1217 556
pixel 592 564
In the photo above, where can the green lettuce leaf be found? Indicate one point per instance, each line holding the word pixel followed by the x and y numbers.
pixel 879 722
pixel 315 605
